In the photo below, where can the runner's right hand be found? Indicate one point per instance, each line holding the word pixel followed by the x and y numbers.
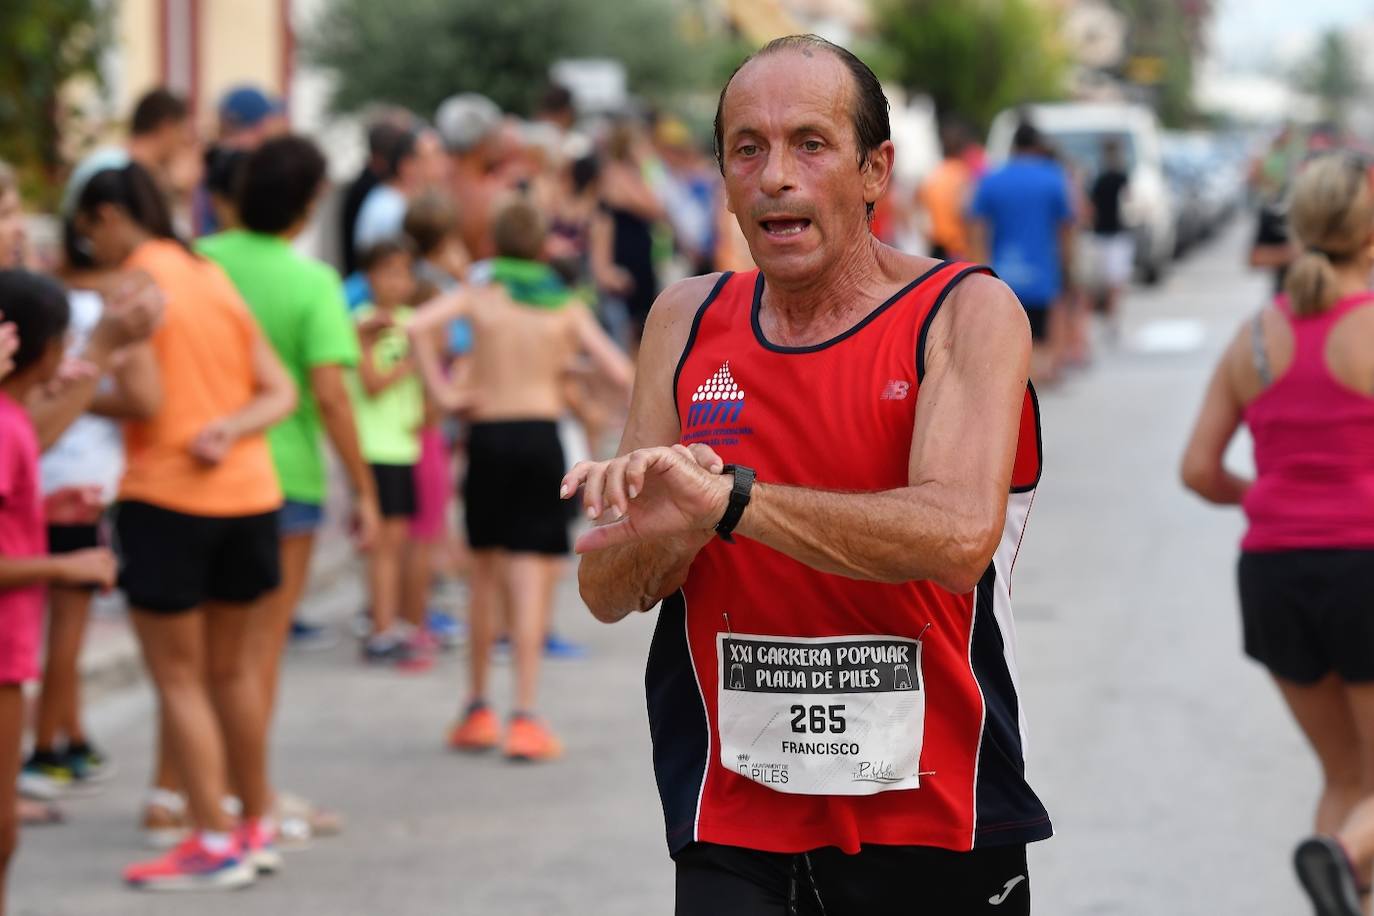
pixel 371 327
pixel 367 522
pixel 652 493
pixel 92 566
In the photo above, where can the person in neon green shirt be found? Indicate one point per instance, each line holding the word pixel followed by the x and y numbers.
pixel 389 402
pixel 299 304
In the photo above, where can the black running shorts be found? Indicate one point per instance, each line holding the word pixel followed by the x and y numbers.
pixel 172 562
pixel 71 538
pixel 1038 315
pixel 510 494
pixel 395 489
pixel 1307 613
pixel 717 880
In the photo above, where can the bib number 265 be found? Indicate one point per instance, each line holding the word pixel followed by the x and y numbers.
pixel 817 720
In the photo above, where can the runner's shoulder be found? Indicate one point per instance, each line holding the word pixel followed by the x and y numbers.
pixel 670 319
pixel 982 312
pixel 980 303
pixel 684 296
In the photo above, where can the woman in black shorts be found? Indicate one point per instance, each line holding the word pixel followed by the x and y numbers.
pixel 1300 375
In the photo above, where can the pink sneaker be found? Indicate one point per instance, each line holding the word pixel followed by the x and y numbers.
pixel 258 841
pixel 191 867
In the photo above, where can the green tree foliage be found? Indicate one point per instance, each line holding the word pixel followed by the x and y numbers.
pixel 1332 74
pixel 1172 31
pixel 43 45
pixel 417 52
pixel 972 57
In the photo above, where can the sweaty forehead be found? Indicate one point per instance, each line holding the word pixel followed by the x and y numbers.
pixel 787 89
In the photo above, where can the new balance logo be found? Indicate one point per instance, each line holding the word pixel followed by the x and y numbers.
pixel 895 390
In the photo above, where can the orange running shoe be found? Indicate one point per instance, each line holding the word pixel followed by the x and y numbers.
pixel 479 730
pixel 529 739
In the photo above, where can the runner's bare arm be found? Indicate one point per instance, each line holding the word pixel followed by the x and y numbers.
pixel 137 392
pixel 274 397
pixel 1203 469
pixel 978 241
pixel 635 577
pixel 424 327
pixel 133 309
pixel 336 413
pixel 605 355
pixel 944 526
pixel 274 393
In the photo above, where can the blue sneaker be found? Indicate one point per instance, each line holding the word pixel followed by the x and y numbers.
pixel 447 629
pixel 560 649
pixel 312 636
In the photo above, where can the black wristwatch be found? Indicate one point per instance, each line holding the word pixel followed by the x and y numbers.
pixel 739 498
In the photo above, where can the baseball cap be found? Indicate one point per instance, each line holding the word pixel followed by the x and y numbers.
pixel 465 120
pixel 247 106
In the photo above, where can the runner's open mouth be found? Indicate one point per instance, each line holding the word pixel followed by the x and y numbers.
pixel 784 227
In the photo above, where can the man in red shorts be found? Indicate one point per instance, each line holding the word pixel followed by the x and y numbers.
pixel 825 477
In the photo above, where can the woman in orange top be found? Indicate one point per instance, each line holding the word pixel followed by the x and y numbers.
pixel 197 525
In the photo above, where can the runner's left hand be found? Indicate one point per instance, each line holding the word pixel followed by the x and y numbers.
pixel 652 492
pixel 213 442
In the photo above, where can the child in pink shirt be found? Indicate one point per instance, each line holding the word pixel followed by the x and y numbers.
pixel 37 307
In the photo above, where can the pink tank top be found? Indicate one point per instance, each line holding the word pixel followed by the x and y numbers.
pixel 1314 449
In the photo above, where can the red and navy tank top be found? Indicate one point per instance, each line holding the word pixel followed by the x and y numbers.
pixel 792 709
pixel 1314 448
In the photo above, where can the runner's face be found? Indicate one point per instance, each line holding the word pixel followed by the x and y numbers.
pixel 791 162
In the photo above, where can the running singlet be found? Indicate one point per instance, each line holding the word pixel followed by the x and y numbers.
pixel 792 709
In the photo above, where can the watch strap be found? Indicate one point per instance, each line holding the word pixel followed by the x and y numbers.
pixel 740 491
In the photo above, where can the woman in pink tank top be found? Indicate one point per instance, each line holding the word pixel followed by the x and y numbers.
pixel 1300 375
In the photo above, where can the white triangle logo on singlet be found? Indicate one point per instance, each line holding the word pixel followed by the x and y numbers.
pixel 719 399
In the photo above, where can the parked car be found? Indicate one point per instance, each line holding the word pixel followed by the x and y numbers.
pixel 1077 130
pixel 1207 178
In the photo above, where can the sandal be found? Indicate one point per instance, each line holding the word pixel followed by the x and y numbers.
pixel 165 823
pixel 299 820
pixel 37 813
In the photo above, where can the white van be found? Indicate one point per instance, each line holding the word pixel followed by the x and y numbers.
pixel 1077 129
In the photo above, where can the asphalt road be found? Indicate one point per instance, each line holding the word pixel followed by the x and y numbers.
pixel 1176 781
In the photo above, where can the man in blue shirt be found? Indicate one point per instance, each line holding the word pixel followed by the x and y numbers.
pixel 1021 215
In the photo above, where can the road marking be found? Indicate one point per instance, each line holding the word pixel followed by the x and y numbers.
pixel 1169 335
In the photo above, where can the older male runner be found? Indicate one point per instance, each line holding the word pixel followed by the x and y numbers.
pixel 832 683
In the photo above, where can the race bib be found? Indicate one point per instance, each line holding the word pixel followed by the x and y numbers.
pixel 842 715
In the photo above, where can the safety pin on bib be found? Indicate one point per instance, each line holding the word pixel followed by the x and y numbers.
pixel 921 635
pixel 729 632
